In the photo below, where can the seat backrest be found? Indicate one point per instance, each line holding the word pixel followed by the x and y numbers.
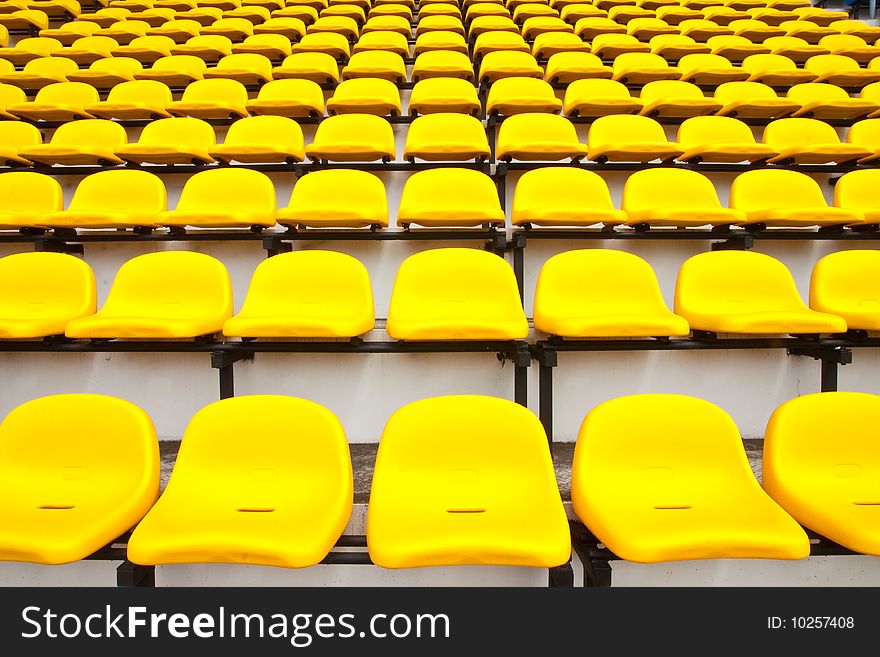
pixel 44 284
pixel 534 127
pixel 520 88
pixel 505 58
pixel 68 93
pixel 26 191
pixel 277 131
pixel 613 39
pixel 444 88
pixel 247 61
pixel 446 126
pixel 179 131
pixel 141 91
pixel 842 42
pixel 340 192
pixel 216 42
pixel 763 62
pixel 701 62
pixel 241 25
pixel 760 190
pixel 353 128
pixel 728 41
pixel 597 88
pixel 98 133
pixel 705 130
pixel 182 24
pixel 38 45
pixel 98 44
pixel 785 133
pixel 120 191
pixel 183 63
pixel 157 43
pixel 846 281
pixel 11 95
pixel 730 92
pixel 120 65
pixel 228 188
pixel 51 66
pixel 289 88
pixel 811 92
pixel 857 190
pixel 129 27
pixel 553 189
pixel 638 60
pixel 781 43
pixel 624 127
pixel 218 90
pixel 276 41
pixel 370 88
pixel 426 193
pixel 668 188
pixel 660 90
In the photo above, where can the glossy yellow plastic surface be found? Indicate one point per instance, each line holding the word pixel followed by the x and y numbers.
pixel 845 284
pixel 175 71
pixel 211 99
pixel 857 28
pixel 25 194
pixel 609 46
pixel 840 70
pixel 25 19
pixel 709 70
pixel 224 198
pixel 588 28
pixel 90 141
pixel 439 137
pixel 810 141
pixel 735 48
pixel 328 43
pixel 429 22
pixel 642 67
pixel 676 46
pixel 208 47
pixel 444 95
pixel 822 462
pixel 647 27
pixel 509 63
pixel 306 294
pixel 112 199
pixel 553 196
pixel 602 293
pixel 353 138
pixel 77 471
pixel 675 99
pixel 262 139
pixel 752 100
pixel 666 478
pixel 60 101
pixel 755 30
pixel 456 294
pixel 365 96
pixel 107 72
pixel 318 67
pixel 567 67
pixel 272 46
pixel 181 140
pixel 125 31
pixel 465 479
pixel 442 64
pixel 674 197
pixel 375 64
pixel 236 29
pixel 828 101
pixel 398 24
pixel 67 33
pixel 440 41
pixel 550 43
pixel 795 48
pixel 248 68
pixel 599 97
pixel 137 99
pixel 538 137
pixel 292 28
pixel 720 139
pixel 30 48
pixel 337 198
pixel 180 30
pixel 745 292
pixel 89 49
pixel 857 191
pixel 626 138
pixel 292 496
pixel 851 46
pixel 426 199
pixel 509 96
pixel 168 294
pixel 776 71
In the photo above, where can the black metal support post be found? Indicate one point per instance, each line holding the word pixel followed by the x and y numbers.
pixel 521 361
pixel 562 576
pixel 830 358
pixel 595 560
pixel 547 358
pixel 224 361
pixel 131 574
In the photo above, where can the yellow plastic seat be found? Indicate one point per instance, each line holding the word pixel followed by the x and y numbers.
pixel 61 101
pixel 254 14
pixel 208 48
pixel 365 96
pixel 786 198
pixel 509 63
pixel 387 41
pixel 478 9
pixel 776 71
pixel 67 33
pixel 332 298
pixel 375 64
pixel 88 49
pixel 850 46
pixel 15 136
pixel 771 15
pixel 720 139
pixel 807 30
pixel 819 16
pixel 429 23
pixel 78 472
pixel 317 67
pixel 856 191
pixel 342 25
pixel 440 496
pixel 599 97
pixel 124 31
pixel 602 293
pixel 442 64
pixel 248 69
pixel 796 49
pixel 538 137
pixel 724 14
pixel 182 140
pixel 857 28
pixel 106 16
pixel 163 295
pixel 550 43
pixel 646 28
pixel 108 72
pixel 827 101
pixel 566 67
pixel 179 30
pixel 290 98
pixel 175 71
pixel 710 70
pixel 261 139
pixel 40 72
pixel 30 20
pixel 154 16
pixel 439 10
pixel 843 283
pixel 673 47
pixel 274 47
pixel 810 141
pixel 624 13
pixel 10 95
pixel 675 99
pixel 446 137
pixel 482 24
pixel 455 294
pixel 755 30
pixel 444 95
pixel 137 99
pixel 663 477
pixel 590 27
pixel 494 41
pixel 440 41
pixel 760 298
pixel 333 198
pixel 30 48
pixel 306 14
pixel 89 141
pixel 560 196
pixel 840 70
pixel 354 10
pixel 610 46
pixel 111 199
pixel 675 13
pixel 828 486
pixel 701 30
pixel 393 24
pixel 674 197
pixel 393 9
pixel 292 501
pixel 24 195
pixel 509 96
pixel 629 138
pixel 641 68
pixel 426 199
pixel 735 48
pixel 353 138
pixel 328 43
pixel 211 99
pixel 526 10
pixel 146 49
pixel 292 28
pixel 224 198
pixel 752 100
pixel 235 29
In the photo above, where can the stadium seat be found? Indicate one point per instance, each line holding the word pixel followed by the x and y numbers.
pixel 434 10
pixel 137 99
pixel 88 49
pixel 573 12
pixel 735 48
pixel 78 472
pixel 375 64
pixel 178 30
pixel 108 72
pixel 124 31
pixel 723 14
pixel 440 41
pixel 211 99
pixel 807 30
pixel 155 16
pixel 28 49
pixel 15 136
pixel 292 501
pixel 857 28
pixel 550 43
pixel 625 138
pixel 819 16
pixel 442 64
pixel 305 13
pixel 291 28
pixel 590 27
pixel 248 69
pixel 850 46
pixel 747 100
pixel 235 29
pixel 710 70
pixel 562 196
pixel 175 71
pixel 810 141
pixel 675 99
pixel 538 137
pixel 509 96
pixel 843 283
pixel 353 138
pixel 508 63
pixel 720 139
pixel 827 101
pixel 106 16
pixel 318 67
pixel 641 68
pixel 624 13
pixel 335 45
pixel 9 96
pixel 290 98
pixel 61 101
pixel 224 198
pixel 89 141
pixel 275 47
pixel 162 295
pixel 431 23
pixel 146 49
pixel 827 485
pixel 435 95
pixel 252 12
pixel 673 47
pixel 856 191
pixel 771 15
pixel 181 140
pixel 456 294
pixel 208 48
pixel 426 199
pixel 796 49
pixel 591 293
pixel 335 198
pixel 840 70
pixel 261 139
pixel 760 297
pixel 399 24
pixel 566 67
pixel 25 19
pixel 701 30
pixel 674 197
pixel 67 33
pixel 111 199
pixel 40 72
pixel 446 137
pixel 386 41
pixel 662 477
pixel 527 10
pixel 644 29
pixel 439 496
pixel 24 195
pixel 332 298
pixel 755 30
pixel 392 9
pixel 480 9
pixel 609 46
pixel 498 41
pixel 776 71
pixel 375 96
